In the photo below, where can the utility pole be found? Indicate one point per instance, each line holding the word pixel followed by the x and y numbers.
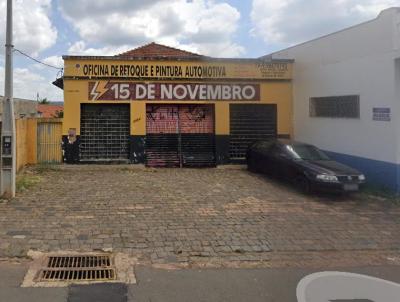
pixel 8 148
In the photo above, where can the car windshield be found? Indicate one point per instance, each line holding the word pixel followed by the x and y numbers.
pixel 306 152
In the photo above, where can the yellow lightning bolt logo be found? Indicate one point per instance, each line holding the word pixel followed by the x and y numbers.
pixel 99 88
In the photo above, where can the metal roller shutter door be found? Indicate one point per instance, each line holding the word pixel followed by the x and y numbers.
pixel 180 136
pixel 105 131
pixel 162 146
pixel 197 135
pixel 250 123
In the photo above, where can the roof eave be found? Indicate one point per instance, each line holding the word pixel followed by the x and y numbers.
pixel 59 83
pixel 164 58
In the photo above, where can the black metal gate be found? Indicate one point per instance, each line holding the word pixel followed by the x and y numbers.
pixel 250 123
pixel 180 136
pixel 105 130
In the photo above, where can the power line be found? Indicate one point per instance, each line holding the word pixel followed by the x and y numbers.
pixel 37 61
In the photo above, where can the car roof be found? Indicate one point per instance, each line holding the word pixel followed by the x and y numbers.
pixel 286 142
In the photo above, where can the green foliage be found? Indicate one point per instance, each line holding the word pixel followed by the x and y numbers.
pixel 43 168
pixel 26 181
pixel 32 175
pixel 44 101
pixel 59 114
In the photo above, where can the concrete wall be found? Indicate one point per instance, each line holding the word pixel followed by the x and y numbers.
pixel 22 108
pixel 359 60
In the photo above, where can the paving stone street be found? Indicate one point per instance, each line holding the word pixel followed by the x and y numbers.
pixel 211 217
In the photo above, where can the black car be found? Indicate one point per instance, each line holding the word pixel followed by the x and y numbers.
pixel 305 165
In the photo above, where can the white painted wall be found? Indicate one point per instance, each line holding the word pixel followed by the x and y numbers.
pixel 358 60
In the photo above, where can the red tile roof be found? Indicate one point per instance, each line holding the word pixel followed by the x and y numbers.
pixel 154 50
pixel 49 111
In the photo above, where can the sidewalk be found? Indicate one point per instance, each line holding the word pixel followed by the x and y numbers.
pixel 263 285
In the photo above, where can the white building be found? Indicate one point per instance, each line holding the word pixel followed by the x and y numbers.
pixel 346 89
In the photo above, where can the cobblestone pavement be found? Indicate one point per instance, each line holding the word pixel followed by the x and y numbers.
pixel 194 217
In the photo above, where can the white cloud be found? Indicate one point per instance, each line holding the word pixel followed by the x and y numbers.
pixel 55 61
pixel 80 48
pixel 33 31
pixel 201 25
pixel 222 49
pixel 28 83
pixel 285 22
pixel 79 8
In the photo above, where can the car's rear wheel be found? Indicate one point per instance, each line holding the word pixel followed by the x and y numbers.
pixel 302 184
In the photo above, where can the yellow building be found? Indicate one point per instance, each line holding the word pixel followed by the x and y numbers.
pixel 167 107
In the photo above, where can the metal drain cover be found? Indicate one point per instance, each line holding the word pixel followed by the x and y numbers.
pixel 82 268
pixel 59 269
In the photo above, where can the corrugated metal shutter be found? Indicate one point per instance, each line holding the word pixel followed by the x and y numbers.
pixel 105 130
pixel 49 141
pixel 197 132
pixel 250 123
pixel 180 135
pixel 162 139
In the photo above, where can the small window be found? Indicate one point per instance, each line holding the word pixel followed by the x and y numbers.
pixel 347 106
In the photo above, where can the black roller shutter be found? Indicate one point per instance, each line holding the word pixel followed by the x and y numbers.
pixel 250 123
pixel 105 131
pixel 180 136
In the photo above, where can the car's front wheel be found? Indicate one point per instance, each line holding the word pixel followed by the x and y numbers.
pixel 302 184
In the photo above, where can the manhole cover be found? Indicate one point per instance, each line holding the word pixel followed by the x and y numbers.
pixel 83 267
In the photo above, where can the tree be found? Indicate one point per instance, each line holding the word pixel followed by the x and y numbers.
pixel 59 114
pixel 44 101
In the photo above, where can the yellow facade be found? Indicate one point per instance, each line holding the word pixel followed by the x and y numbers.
pixel 273 79
pixel 167 69
pixel 94 80
pixel 272 92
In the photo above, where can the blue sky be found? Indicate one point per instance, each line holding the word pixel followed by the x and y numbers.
pixel 48 29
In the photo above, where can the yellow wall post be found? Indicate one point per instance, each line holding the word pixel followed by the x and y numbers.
pixel 222 118
pixel 138 118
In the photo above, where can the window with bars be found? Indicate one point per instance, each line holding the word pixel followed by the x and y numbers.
pixel 347 106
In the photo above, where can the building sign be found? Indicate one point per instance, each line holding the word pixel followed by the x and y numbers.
pixel 381 114
pixel 254 69
pixel 110 90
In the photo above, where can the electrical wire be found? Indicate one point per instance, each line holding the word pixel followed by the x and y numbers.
pixel 37 61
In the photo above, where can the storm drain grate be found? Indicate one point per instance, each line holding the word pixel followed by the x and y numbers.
pixel 79 261
pixel 78 268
